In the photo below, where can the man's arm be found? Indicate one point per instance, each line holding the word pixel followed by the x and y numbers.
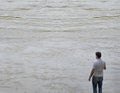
pixel 91 74
pixel 104 66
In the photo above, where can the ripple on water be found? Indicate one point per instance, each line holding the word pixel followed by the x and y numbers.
pixel 9 17
pixel 50 6
pixel 22 9
pixel 107 17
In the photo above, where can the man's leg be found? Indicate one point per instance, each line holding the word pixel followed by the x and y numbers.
pixel 94 84
pixel 100 84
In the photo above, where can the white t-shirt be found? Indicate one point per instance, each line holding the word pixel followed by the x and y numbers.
pixel 99 66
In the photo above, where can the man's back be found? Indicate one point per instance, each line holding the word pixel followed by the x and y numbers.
pixel 99 66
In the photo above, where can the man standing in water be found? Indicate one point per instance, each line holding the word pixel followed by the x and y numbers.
pixel 97 73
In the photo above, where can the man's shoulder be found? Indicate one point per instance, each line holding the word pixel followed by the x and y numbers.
pixel 98 61
pixel 103 61
pixel 95 62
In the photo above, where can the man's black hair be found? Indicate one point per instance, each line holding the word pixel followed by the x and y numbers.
pixel 98 54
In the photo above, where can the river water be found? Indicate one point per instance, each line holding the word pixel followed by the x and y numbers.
pixel 48 46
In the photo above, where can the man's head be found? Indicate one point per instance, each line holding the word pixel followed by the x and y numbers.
pixel 98 55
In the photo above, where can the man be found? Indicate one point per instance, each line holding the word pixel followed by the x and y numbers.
pixel 97 73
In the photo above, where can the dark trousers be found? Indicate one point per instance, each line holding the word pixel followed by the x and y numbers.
pixel 97 81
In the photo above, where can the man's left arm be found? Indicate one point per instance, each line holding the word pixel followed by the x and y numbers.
pixel 104 66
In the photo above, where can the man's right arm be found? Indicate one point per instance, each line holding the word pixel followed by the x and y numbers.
pixel 91 74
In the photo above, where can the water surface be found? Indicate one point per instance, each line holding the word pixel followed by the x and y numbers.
pixel 47 46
